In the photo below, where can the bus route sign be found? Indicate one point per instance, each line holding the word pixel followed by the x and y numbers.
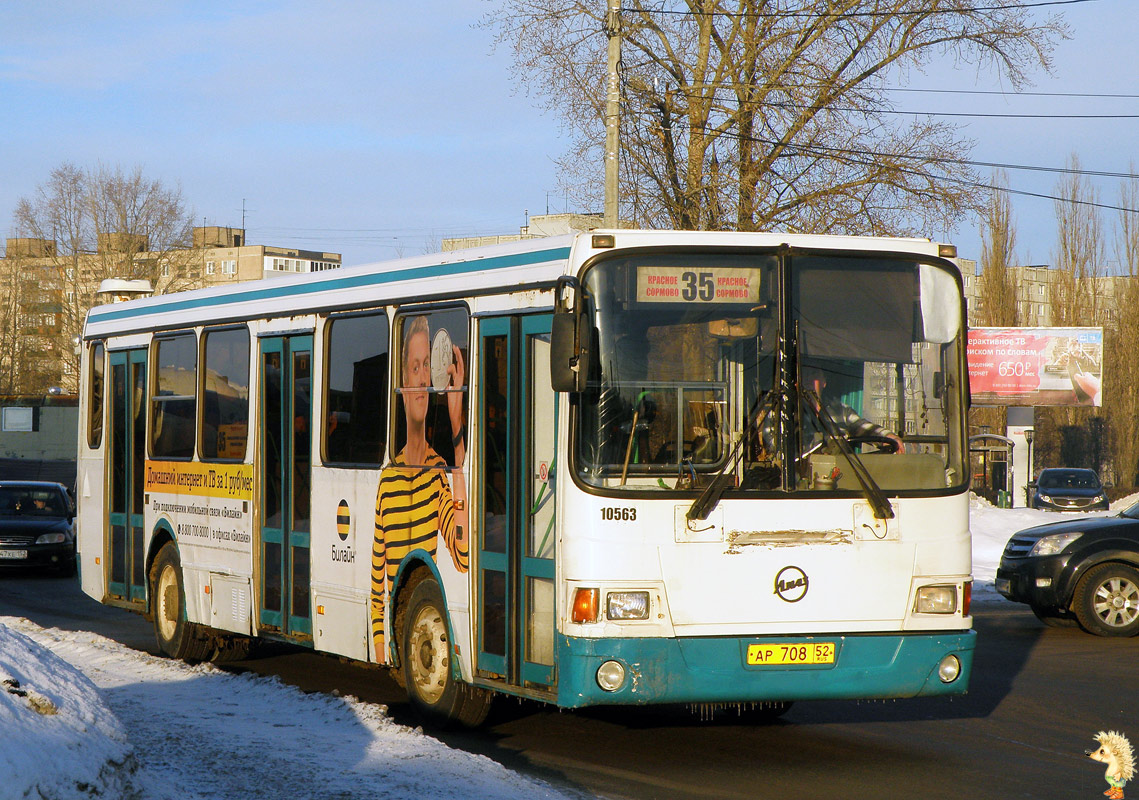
pixel 697 285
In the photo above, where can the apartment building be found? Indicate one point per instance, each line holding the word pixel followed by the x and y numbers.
pixel 45 293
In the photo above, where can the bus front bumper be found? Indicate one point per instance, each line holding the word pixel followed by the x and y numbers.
pixel 717 669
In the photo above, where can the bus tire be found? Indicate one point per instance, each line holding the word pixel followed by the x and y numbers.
pixel 176 637
pixel 425 660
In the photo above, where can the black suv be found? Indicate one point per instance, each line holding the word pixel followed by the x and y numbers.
pixel 1068 489
pixel 1086 570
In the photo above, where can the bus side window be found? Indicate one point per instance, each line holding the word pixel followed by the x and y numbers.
pixel 95 397
pixel 356 380
pixel 174 398
pixel 225 394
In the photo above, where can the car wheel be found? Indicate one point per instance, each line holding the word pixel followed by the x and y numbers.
pixel 1055 617
pixel 1107 600
pixel 176 637
pixel 425 655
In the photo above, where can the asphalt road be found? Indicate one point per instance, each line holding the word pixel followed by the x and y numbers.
pixel 1037 698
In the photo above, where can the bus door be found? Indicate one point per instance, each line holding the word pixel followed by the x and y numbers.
pixel 515 486
pixel 126 559
pixel 284 471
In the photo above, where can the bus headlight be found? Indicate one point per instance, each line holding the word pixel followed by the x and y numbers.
pixel 627 605
pixel 936 600
pixel 611 676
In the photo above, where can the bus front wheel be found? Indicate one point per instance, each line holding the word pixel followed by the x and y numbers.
pixel 176 637
pixel 425 656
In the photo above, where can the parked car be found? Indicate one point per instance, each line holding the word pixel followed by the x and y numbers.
pixel 37 525
pixel 1082 571
pixel 1068 489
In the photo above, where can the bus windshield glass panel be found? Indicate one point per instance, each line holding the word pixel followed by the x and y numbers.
pixel 686 358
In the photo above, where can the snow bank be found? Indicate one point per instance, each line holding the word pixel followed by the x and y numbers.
pixel 60 740
pixel 199 732
pixel 992 527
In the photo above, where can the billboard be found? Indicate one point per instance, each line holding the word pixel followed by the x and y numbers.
pixel 1036 366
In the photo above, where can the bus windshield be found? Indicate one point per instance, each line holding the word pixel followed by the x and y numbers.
pixel 756 364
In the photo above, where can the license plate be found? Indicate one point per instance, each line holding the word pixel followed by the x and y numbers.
pixel 790 654
pixel 13 554
pixel 1002 585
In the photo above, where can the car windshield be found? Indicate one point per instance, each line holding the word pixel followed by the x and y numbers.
pixel 27 502
pixel 1068 479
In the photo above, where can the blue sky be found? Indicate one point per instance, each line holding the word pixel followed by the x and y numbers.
pixel 375 128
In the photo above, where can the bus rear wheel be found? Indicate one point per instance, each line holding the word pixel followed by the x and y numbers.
pixel 176 637
pixel 425 656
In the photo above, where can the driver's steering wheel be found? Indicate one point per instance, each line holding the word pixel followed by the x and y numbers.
pixel 883 444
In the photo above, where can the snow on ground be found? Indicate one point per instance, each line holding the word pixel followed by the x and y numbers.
pixel 197 733
pixel 59 737
pixel 91 718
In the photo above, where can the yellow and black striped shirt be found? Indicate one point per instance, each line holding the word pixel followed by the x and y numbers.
pixel 414 506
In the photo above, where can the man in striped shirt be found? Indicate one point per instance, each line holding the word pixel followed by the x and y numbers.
pixel 414 501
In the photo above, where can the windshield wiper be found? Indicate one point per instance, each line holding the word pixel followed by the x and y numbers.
pixel 702 506
pixel 873 493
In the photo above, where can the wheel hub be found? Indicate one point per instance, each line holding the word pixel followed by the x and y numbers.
pixel 426 654
pixel 429 662
pixel 1117 602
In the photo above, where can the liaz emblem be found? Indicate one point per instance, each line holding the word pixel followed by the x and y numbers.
pixel 791 584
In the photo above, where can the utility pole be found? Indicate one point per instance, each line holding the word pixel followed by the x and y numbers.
pixel 612 113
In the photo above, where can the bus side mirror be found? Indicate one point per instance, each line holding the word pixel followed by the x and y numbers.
pixel 569 352
pixel 570 337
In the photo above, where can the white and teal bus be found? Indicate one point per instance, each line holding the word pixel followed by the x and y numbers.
pixel 623 467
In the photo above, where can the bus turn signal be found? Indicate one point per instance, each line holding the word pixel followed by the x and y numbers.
pixel 585 605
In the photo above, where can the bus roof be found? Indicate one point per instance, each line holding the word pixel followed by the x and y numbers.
pixel 529 263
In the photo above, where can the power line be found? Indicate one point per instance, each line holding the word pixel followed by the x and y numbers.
pixel 945 161
pixel 919 90
pixel 976 114
pixel 854 14
pixel 852 156
pixel 1003 93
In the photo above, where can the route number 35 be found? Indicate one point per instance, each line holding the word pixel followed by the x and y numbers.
pixel 700 285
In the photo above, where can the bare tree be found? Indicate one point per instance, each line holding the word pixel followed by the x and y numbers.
pixel 1121 359
pixel 13 341
pixel 751 114
pixel 999 285
pixel 99 223
pixel 1080 255
pixel 1077 299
